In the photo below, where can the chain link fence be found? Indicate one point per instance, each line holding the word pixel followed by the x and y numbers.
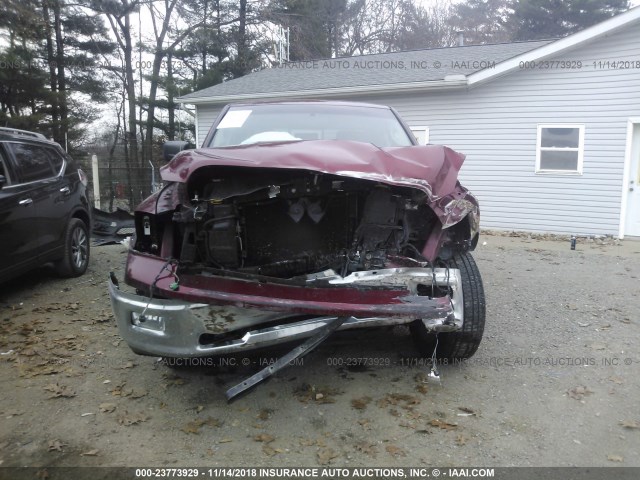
pixel 120 184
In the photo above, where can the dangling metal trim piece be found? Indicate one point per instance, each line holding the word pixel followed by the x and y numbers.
pixel 299 351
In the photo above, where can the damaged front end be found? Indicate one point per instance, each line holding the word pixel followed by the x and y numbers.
pixel 236 258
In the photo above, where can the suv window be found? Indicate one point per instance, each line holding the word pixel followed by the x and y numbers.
pixel 3 167
pixel 32 162
pixel 56 159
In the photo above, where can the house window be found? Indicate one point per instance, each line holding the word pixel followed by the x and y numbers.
pixel 560 148
pixel 421 134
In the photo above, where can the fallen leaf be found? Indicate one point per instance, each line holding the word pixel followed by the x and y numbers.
pixel 138 393
pixel 360 403
pixel 42 368
pixel 264 414
pixel 365 422
pixel 191 427
pixel 212 422
pixel 127 418
pixel 306 393
pixel 615 458
pixel 325 455
pixel 90 453
pixel 395 451
pixel 264 437
pixel 442 424
pixel 405 424
pixel 631 424
pixel 119 390
pixel 27 352
pixel 422 388
pixel 400 399
pixel 173 380
pixel 194 426
pixel 367 448
pixel 107 407
pixel 59 391
pixel 12 413
pixel 579 392
pixel 56 445
pixel 268 450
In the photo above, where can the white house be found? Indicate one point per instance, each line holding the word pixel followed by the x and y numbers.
pixel 551 129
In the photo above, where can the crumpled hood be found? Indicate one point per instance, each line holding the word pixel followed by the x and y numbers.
pixel 430 168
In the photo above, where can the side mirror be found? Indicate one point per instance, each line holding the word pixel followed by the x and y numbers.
pixel 3 181
pixel 172 147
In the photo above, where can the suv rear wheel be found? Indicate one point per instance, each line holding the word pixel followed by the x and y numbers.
pixel 76 250
pixel 462 344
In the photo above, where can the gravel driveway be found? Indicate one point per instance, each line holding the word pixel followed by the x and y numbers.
pixel 554 383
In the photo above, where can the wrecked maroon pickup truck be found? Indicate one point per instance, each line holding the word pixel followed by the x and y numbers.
pixel 296 219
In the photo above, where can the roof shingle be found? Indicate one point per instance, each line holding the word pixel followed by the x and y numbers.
pixel 368 70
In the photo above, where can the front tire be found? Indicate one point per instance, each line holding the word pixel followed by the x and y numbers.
pixel 462 344
pixel 75 259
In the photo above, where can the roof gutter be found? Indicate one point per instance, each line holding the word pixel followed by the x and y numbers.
pixel 454 81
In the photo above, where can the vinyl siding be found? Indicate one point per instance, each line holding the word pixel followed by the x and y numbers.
pixel 206 115
pixel 495 125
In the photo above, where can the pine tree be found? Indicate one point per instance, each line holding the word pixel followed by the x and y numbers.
pixel 54 48
pixel 538 19
pixel 483 21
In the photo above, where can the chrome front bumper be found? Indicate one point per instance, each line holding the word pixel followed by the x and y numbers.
pixel 175 328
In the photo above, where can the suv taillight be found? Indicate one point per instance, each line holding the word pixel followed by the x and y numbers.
pixel 83 177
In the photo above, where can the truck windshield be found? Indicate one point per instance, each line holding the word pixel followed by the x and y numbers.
pixel 249 124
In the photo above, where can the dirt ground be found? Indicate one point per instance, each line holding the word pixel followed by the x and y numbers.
pixel 554 383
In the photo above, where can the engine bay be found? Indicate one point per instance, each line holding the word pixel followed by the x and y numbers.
pixel 285 223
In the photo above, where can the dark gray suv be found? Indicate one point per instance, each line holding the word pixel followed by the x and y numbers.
pixel 44 209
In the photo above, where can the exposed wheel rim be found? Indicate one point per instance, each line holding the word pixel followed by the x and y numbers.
pixel 79 248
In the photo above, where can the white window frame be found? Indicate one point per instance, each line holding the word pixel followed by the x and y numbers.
pixel 580 149
pixel 420 129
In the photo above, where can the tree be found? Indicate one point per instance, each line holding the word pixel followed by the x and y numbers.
pixel 118 13
pixel 423 27
pixel 314 26
pixel 203 53
pixel 538 19
pixel 23 89
pixel 77 66
pixel 374 26
pixel 483 21
pixel 53 66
